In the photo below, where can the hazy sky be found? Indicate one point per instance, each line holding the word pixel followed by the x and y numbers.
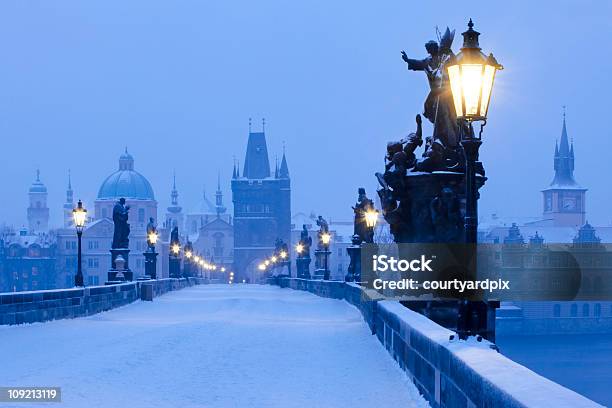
pixel 176 81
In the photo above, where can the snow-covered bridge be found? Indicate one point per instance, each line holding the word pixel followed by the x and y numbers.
pixel 210 346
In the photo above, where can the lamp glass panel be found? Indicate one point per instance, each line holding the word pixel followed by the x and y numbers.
pixel 487 86
pixel 454 75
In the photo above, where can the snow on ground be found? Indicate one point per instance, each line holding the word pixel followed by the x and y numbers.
pixel 210 346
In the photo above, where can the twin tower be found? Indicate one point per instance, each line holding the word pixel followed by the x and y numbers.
pixel 262 208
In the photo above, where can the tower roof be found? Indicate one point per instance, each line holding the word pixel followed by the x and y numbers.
pixel 284 169
pixel 256 163
pixel 38 186
pixel 564 161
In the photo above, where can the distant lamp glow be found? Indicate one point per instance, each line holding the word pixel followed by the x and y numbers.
pixel 325 238
pixel 471 74
pixel 222 269
pixel 79 215
pixel 176 248
pixel 371 218
pixel 153 236
pixel 188 254
pixel 267 262
pixel 299 248
pixel 262 267
pixel 283 254
pixel 273 259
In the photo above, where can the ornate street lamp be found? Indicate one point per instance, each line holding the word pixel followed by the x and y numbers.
pixel 371 218
pixel 471 74
pixel 79 215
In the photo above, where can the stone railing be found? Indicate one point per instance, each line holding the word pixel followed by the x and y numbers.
pixel 44 305
pixel 448 373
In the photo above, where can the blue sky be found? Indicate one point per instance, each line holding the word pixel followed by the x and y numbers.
pixel 176 81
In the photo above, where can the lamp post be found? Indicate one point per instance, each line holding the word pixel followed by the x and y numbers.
pixel 325 240
pixel 79 215
pixel 471 74
pixel 150 254
pixel 175 250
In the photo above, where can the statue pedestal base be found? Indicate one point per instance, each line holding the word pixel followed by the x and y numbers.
pixel 354 269
pixel 322 264
pixel 150 264
pixel 303 267
pixel 124 274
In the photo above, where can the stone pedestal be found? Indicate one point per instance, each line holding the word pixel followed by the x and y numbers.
pixel 430 208
pixel 120 270
pixel 303 267
pixel 174 266
pixel 354 269
pixel 150 263
pixel 322 264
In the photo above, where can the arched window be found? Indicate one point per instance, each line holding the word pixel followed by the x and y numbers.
pixel 574 310
pixel 585 310
pixel 597 310
pixel 557 310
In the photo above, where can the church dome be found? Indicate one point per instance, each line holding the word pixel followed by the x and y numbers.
pixel 38 186
pixel 126 182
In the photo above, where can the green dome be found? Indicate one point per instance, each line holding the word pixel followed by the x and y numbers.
pixel 126 183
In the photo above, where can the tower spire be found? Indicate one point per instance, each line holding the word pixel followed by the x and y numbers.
pixel 174 193
pixel 564 158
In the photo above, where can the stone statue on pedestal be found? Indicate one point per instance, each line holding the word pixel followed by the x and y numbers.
pixel 122 228
pixel 363 205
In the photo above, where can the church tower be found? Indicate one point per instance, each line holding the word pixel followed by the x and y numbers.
pixel 564 199
pixel 262 208
pixel 174 217
pixel 38 212
pixel 69 205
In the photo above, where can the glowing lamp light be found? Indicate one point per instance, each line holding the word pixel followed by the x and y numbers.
pixel 299 248
pixel 274 259
pixel 262 267
pixel 153 236
pixel 266 262
pixel 371 218
pixel 325 238
pixel 222 269
pixel 79 215
pixel 471 74
pixel 188 254
pixel 283 254
pixel 176 248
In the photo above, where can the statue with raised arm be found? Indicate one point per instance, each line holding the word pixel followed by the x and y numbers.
pixel 122 228
pixel 363 205
pixel 439 107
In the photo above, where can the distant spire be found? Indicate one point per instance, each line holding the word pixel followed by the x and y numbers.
pixel 234 169
pixel 174 193
pixel 219 197
pixel 564 158
pixel 69 192
pixel 238 169
pixel 263 125
pixel 284 168
pixel 275 166
pixel 250 125
pixel 38 175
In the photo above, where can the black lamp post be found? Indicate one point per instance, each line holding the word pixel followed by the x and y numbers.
pixel 79 215
pixel 150 254
pixel 325 240
pixel 175 262
pixel 471 74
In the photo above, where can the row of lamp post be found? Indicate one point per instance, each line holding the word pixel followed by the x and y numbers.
pixel 79 215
